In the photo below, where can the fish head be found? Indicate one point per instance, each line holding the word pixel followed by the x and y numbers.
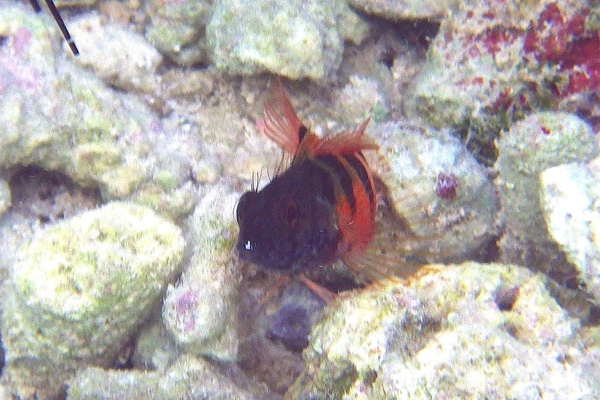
pixel 287 226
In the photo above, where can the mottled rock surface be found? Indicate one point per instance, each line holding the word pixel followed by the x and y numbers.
pixel 78 291
pixel 200 311
pixel 57 116
pixel 534 144
pixel 177 29
pixel 5 199
pixel 439 190
pixel 469 331
pixel 492 63
pixel 274 35
pixel 404 9
pixel 570 196
pixel 188 378
pixel 133 61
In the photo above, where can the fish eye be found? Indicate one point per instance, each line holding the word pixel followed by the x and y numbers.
pixel 291 214
pixel 245 202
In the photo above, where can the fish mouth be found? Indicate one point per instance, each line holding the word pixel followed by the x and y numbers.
pixel 246 252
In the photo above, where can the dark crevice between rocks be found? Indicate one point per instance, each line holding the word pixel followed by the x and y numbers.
pixel 417 33
pixel 594 316
pixel 505 297
pixel 49 196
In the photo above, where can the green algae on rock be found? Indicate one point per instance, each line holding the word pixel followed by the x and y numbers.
pixel 465 331
pixel 297 39
pixel 187 378
pixel 200 311
pixel 540 141
pixel 57 116
pixel 79 289
pixel 413 162
pixel 177 29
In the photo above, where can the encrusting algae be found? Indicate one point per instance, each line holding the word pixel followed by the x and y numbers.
pixel 78 290
pixel 119 121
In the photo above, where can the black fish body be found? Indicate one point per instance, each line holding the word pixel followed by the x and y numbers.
pixel 290 224
pixel 322 208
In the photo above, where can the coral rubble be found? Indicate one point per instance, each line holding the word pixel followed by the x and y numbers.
pixel 569 195
pixel 78 291
pixel 120 170
pixel 540 141
pixel 467 330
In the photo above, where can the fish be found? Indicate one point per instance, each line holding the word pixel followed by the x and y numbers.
pixel 320 209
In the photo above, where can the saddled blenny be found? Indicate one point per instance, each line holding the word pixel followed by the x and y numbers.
pixel 321 209
pixel 59 21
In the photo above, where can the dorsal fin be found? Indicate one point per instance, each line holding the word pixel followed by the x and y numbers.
pixel 282 125
pixel 347 142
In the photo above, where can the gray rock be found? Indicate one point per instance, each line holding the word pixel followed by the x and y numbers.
pixel 177 29
pixel 120 57
pixel 463 331
pixel 200 311
pixel 297 39
pixel 5 198
pixel 570 197
pixel 78 291
pixel 188 378
pixel 405 9
pixel 437 187
pixel 540 141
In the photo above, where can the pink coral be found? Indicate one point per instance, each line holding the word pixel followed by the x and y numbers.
pixel 561 40
pixel 186 305
pixel 545 55
pixel 445 186
pixel 549 38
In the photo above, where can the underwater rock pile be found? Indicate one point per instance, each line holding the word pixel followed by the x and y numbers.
pixel 78 291
pixel 467 330
pixel 538 142
pixel 58 117
pixel 493 62
pixel 121 169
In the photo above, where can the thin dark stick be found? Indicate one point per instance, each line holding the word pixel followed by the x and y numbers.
pixel 59 21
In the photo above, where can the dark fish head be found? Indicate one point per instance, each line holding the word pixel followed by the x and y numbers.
pixel 288 226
